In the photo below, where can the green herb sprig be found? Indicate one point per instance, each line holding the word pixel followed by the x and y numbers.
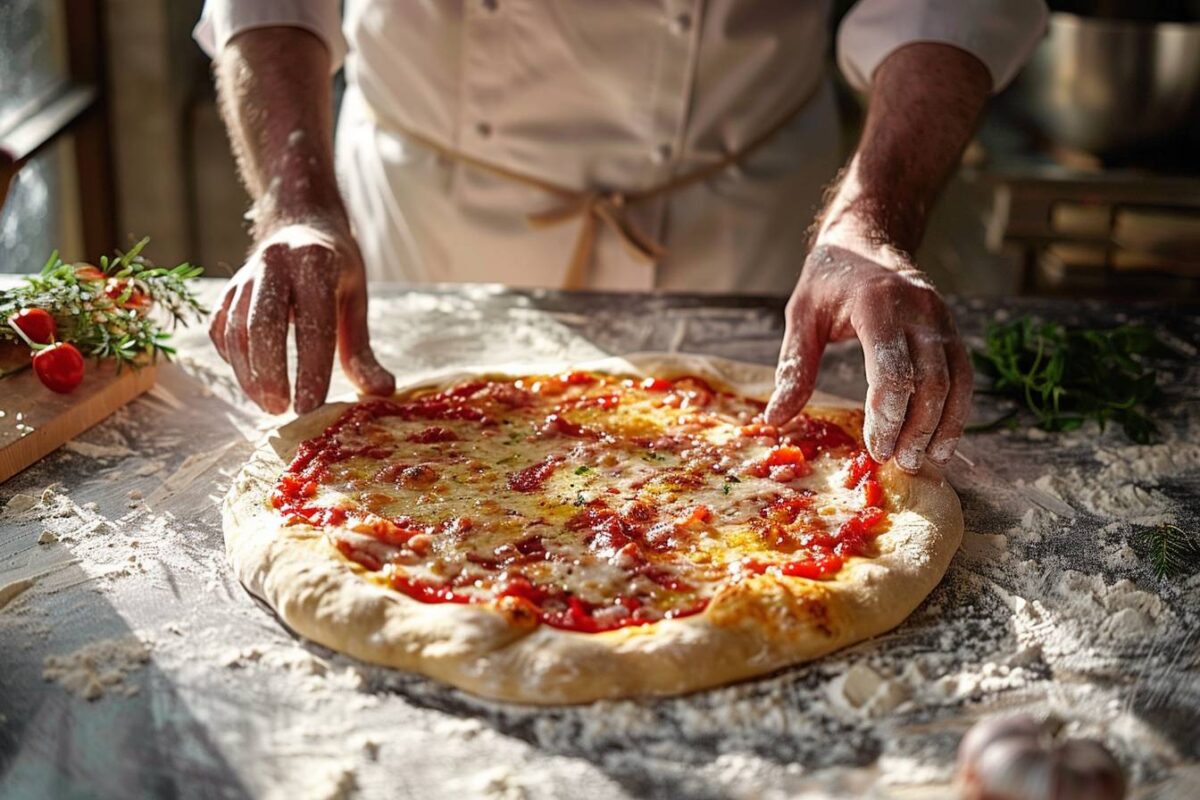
pixel 1066 376
pixel 101 325
pixel 1171 551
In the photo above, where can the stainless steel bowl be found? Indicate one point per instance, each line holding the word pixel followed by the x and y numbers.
pixel 1103 85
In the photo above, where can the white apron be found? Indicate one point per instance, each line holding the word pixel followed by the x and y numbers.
pixel 606 96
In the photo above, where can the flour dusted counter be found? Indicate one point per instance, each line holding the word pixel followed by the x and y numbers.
pixel 133 665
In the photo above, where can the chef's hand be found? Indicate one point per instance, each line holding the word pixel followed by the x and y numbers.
pixel 918 373
pixel 314 279
pixel 306 269
pixel 926 99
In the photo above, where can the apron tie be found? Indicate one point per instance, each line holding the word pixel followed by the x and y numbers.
pixel 596 208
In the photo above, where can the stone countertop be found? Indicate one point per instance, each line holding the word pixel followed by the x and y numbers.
pixel 1046 607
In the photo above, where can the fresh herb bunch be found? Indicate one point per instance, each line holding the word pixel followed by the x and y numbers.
pixel 1171 551
pixel 105 310
pixel 1065 376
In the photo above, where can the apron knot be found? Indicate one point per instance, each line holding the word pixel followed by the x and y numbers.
pixel 595 208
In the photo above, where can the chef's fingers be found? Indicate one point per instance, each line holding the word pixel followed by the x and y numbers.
pixel 216 326
pixel 267 329
pixel 958 403
pixel 889 386
pixel 354 346
pixel 799 359
pixel 315 286
pixel 932 382
pixel 237 341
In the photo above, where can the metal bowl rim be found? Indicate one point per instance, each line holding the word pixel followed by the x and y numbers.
pixel 1068 20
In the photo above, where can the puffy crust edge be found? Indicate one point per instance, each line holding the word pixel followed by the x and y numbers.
pixel 750 629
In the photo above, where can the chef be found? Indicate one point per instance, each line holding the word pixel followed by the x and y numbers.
pixel 607 144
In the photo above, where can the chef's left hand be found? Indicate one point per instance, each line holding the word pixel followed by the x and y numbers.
pixel 918 373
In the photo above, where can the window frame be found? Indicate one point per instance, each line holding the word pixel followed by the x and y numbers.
pixel 77 108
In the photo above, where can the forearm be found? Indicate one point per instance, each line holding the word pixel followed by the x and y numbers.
pixel 926 100
pixel 276 98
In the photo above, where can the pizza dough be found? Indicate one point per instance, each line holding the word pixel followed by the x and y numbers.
pixel 754 626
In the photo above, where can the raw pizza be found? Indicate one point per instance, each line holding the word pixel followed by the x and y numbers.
pixel 613 529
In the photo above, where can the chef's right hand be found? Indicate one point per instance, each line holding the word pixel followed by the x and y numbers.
pixel 312 277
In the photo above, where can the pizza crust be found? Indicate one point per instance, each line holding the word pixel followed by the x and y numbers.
pixel 754 627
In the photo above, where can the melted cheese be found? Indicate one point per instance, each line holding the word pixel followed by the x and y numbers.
pixel 644 508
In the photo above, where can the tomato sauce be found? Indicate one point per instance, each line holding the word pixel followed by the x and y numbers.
pixel 432 435
pixel 533 477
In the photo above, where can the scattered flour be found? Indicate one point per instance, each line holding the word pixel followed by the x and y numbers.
pixel 99 451
pixel 325 782
pixel 1125 487
pixel 865 691
pixel 104 549
pixel 499 783
pixel 19 504
pixel 98 667
pixel 1084 623
pixel 318 779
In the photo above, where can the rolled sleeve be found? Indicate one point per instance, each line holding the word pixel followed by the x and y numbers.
pixel 1000 33
pixel 221 20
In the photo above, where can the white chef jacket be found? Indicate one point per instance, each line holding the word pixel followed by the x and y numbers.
pixel 614 95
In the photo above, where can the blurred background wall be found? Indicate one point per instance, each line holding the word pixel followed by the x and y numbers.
pixel 1083 180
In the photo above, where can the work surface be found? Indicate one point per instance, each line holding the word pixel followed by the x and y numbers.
pixel 114 586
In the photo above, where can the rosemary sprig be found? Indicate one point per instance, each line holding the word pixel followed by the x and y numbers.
pixel 1065 376
pixel 1171 551
pixel 101 321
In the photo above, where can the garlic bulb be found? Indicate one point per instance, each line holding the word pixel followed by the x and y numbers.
pixel 1017 758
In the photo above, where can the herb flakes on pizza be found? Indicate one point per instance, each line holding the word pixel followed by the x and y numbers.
pixel 613 529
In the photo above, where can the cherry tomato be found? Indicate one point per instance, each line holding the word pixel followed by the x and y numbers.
pixel 86 272
pixel 137 298
pixel 36 323
pixel 59 367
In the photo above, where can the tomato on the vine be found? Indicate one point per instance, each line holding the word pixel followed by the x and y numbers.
pixel 36 323
pixel 86 272
pixel 59 367
pixel 137 299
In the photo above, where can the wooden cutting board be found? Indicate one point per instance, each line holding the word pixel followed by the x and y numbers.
pixel 35 421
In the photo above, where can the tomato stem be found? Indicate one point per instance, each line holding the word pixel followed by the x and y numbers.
pixel 34 346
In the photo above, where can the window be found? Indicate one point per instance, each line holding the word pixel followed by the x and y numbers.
pixel 52 133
